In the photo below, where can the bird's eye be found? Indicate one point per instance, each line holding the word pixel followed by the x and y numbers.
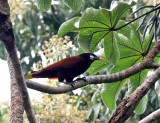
pixel 91 57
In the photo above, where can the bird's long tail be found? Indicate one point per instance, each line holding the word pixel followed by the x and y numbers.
pixel 29 76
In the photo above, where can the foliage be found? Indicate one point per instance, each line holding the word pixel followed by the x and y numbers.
pixel 136 53
pixel 99 30
pixel 96 25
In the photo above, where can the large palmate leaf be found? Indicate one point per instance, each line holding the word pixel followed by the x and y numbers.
pixel 43 5
pixel 122 40
pixel 73 4
pixel 130 53
pixel 98 24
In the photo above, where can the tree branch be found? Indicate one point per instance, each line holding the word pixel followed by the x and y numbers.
pixel 154 116
pixel 136 18
pixel 98 79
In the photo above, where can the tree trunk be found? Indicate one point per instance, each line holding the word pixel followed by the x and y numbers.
pixel 19 94
pixel 16 96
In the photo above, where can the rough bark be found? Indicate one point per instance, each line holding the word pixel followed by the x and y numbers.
pixel 19 95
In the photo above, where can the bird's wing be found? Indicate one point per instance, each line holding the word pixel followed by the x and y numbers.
pixel 66 63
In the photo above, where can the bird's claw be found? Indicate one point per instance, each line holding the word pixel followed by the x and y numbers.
pixel 73 82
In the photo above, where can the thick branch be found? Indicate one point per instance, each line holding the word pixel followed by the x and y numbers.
pixel 128 105
pixel 153 117
pixel 19 95
pixel 98 79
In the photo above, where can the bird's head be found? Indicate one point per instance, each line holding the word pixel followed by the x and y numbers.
pixel 91 56
pixel 94 57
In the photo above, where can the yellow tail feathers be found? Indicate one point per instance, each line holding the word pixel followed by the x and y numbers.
pixel 29 76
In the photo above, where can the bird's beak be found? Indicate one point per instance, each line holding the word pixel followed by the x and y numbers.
pixel 101 58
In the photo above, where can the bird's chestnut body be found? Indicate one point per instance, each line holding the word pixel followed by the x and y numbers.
pixel 66 69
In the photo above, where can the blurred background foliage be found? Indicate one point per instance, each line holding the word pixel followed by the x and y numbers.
pixel 34 31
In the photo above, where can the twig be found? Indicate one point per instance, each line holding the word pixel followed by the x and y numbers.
pixel 115 29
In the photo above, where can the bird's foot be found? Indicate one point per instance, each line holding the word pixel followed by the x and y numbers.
pixel 83 78
pixel 70 83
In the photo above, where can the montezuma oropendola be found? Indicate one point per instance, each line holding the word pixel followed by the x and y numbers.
pixel 66 69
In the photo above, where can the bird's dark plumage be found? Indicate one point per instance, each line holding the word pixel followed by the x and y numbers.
pixel 67 68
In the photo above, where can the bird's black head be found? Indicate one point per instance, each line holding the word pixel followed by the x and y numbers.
pixel 91 56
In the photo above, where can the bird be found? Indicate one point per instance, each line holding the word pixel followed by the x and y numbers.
pixel 66 69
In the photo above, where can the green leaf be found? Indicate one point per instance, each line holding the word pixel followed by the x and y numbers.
pixel 136 81
pixel 43 5
pixel 136 37
pixel 126 31
pixel 96 18
pixel 141 107
pixel 119 8
pixel 68 26
pixel 97 66
pixel 111 48
pixel 88 39
pixel 110 93
pixel 75 5
pixel 98 24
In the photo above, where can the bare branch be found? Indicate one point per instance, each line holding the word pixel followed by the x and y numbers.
pixel 154 116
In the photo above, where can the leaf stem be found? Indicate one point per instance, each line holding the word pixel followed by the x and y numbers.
pixel 115 29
